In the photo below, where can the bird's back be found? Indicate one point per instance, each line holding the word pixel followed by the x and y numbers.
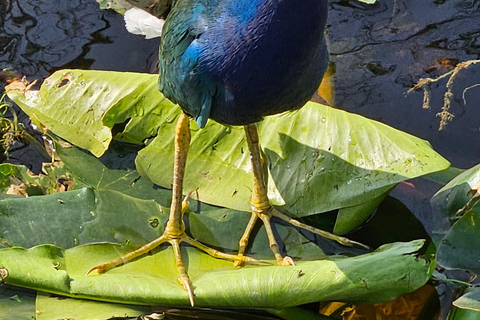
pixel 236 61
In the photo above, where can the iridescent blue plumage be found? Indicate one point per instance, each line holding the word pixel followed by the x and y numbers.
pixel 236 61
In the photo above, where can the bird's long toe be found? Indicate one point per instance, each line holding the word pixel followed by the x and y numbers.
pixel 325 234
pixel 287 261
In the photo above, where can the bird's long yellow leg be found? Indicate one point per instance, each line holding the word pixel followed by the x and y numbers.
pixel 261 207
pixel 175 230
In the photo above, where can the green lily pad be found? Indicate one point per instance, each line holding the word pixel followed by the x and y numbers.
pixel 345 161
pixel 379 276
pixel 319 158
pixel 459 248
pixel 87 215
pixel 456 193
pixel 57 307
pixel 36 220
pixel 457 239
pixel 85 98
pixel 17 303
pixel 464 314
pixel 90 171
pixel 470 300
pixel 60 307
pixel 392 222
pixel 350 218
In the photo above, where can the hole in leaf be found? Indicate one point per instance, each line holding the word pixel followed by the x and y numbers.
pixel 65 80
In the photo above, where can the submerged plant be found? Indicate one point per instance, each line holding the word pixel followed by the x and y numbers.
pixel 10 129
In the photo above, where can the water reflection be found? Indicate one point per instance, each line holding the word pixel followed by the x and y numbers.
pixel 39 37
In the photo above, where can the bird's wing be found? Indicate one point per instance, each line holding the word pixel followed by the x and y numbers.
pixel 183 42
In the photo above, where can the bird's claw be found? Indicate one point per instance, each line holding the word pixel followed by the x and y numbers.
pixel 237 264
pixel 101 268
pixel 287 261
pixel 187 285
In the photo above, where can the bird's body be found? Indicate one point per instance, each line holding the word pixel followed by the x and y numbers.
pixel 236 61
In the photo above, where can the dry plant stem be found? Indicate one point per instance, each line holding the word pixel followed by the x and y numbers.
pixel 261 207
pixel 445 115
pixel 175 230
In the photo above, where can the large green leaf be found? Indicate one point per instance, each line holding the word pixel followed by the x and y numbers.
pixel 44 216
pixel 73 104
pixel 467 307
pixel 392 222
pixel 118 205
pixel 350 218
pixel 463 314
pixel 456 193
pixel 55 307
pixel 319 158
pixel 470 300
pixel 382 275
pixel 16 303
pixel 458 245
pixel 21 304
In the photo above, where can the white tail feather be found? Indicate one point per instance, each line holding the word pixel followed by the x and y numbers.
pixel 138 21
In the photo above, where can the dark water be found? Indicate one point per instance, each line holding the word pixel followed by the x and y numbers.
pixel 39 37
pixel 381 51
